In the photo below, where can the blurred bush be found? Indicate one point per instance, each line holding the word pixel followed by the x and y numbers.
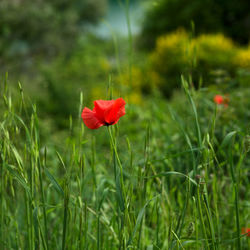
pixel 242 58
pixel 209 16
pixel 44 28
pixel 214 58
pixel 242 62
pixel 208 59
pixel 170 56
pixel 86 68
pixel 214 50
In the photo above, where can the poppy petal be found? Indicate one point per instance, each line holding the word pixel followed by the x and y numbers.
pixel 90 119
pixel 118 110
pixel 218 99
pixel 102 106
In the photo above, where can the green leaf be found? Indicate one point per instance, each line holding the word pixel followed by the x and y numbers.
pixel 105 192
pixel 25 127
pixel 119 193
pixel 54 182
pixel 138 220
pixel 228 138
pixel 20 179
pixel 61 160
pixel 174 173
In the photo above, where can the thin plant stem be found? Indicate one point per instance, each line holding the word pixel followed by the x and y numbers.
pixel 201 216
pixel 43 204
pixel 65 216
pixel 236 193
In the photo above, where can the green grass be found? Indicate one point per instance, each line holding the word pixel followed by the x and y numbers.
pixel 171 175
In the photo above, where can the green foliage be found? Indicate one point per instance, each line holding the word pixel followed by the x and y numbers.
pixel 64 195
pixel 67 76
pixel 208 16
pixel 44 28
pixel 170 56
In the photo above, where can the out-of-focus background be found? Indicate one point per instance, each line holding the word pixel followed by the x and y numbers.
pixel 57 48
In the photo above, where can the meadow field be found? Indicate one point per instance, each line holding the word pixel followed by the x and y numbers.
pixel 135 141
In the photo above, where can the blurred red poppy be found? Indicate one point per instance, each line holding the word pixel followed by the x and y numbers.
pixel 218 99
pixel 104 113
pixel 245 231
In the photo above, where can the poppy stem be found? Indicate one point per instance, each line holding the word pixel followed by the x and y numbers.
pixel 114 148
pixel 120 188
pixel 119 164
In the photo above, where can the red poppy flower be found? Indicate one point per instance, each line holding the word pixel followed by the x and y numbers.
pixel 245 231
pixel 218 99
pixel 104 113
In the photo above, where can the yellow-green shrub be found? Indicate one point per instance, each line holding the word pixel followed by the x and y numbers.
pixel 215 50
pixel 171 58
pixel 213 57
pixel 177 54
pixel 242 63
pixel 242 59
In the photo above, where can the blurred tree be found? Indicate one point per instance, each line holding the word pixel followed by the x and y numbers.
pixel 44 27
pixel 209 16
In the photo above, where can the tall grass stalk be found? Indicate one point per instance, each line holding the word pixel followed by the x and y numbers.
pixel 65 216
pixel 2 174
pixel 236 191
